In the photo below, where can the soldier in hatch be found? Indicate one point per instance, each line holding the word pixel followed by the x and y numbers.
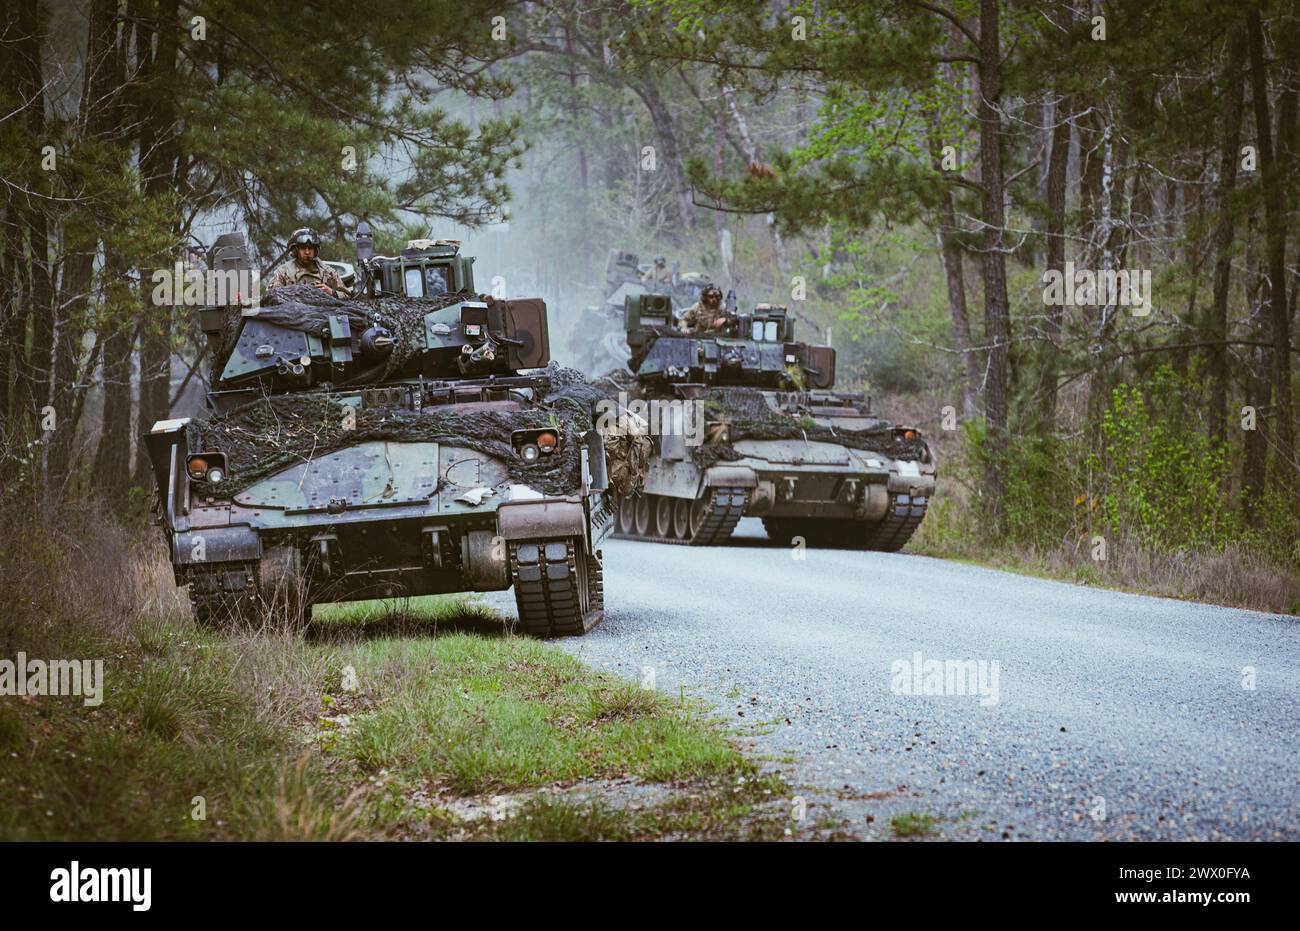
pixel 706 315
pixel 658 274
pixel 306 268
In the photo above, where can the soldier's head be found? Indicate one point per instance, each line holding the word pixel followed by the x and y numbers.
pixel 711 297
pixel 660 261
pixel 303 244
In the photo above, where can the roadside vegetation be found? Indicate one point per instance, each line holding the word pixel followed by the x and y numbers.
pixel 384 720
pixel 1144 510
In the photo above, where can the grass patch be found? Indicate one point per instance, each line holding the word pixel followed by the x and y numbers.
pixel 183 748
pixel 475 715
pixel 912 824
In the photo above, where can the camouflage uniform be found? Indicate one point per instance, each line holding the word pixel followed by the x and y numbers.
pixel 656 275
pixel 628 447
pixel 698 318
pixel 294 272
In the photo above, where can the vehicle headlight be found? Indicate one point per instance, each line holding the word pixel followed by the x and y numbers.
pixel 206 467
pixel 532 444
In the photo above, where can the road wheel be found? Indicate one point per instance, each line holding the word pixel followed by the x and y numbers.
pixel 681 518
pixel 282 589
pixel 627 515
pixel 643 515
pixel 664 516
pixel 271 593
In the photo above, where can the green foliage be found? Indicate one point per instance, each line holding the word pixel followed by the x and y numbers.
pixel 1151 481
pixel 1044 478
pixel 1278 535
pixel 890 318
pixel 1160 482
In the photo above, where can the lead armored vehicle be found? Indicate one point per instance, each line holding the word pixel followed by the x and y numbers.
pixel 748 425
pixel 410 441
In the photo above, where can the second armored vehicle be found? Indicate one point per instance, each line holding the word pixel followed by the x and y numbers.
pixel 754 429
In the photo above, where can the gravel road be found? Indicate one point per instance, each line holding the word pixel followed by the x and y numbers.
pixel 1086 714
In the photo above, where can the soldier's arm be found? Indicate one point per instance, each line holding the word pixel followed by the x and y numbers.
pixel 335 281
pixel 278 279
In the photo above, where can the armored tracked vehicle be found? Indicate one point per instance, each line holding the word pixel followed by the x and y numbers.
pixel 754 429
pixel 410 441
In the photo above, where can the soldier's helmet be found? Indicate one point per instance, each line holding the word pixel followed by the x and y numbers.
pixel 303 237
pixel 711 294
pixel 660 260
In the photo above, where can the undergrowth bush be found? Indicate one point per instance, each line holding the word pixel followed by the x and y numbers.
pixel 1161 483
pixel 1159 491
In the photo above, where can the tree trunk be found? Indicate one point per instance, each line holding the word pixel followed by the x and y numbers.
pixel 648 90
pixel 1092 151
pixel 112 474
pixel 751 156
pixel 115 327
pixel 1254 460
pixel 1104 257
pixel 32 381
pixel 950 253
pixel 157 163
pixel 1058 163
pixel 1276 203
pixel 73 299
pixel 13 318
pixel 997 321
pixel 100 118
pixel 1035 143
pixel 1286 470
pixel 1225 230
pixel 9 300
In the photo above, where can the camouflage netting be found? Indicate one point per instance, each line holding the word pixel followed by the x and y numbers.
pixel 627 453
pixel 749 417
pixel 307 308
pixel 280 431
